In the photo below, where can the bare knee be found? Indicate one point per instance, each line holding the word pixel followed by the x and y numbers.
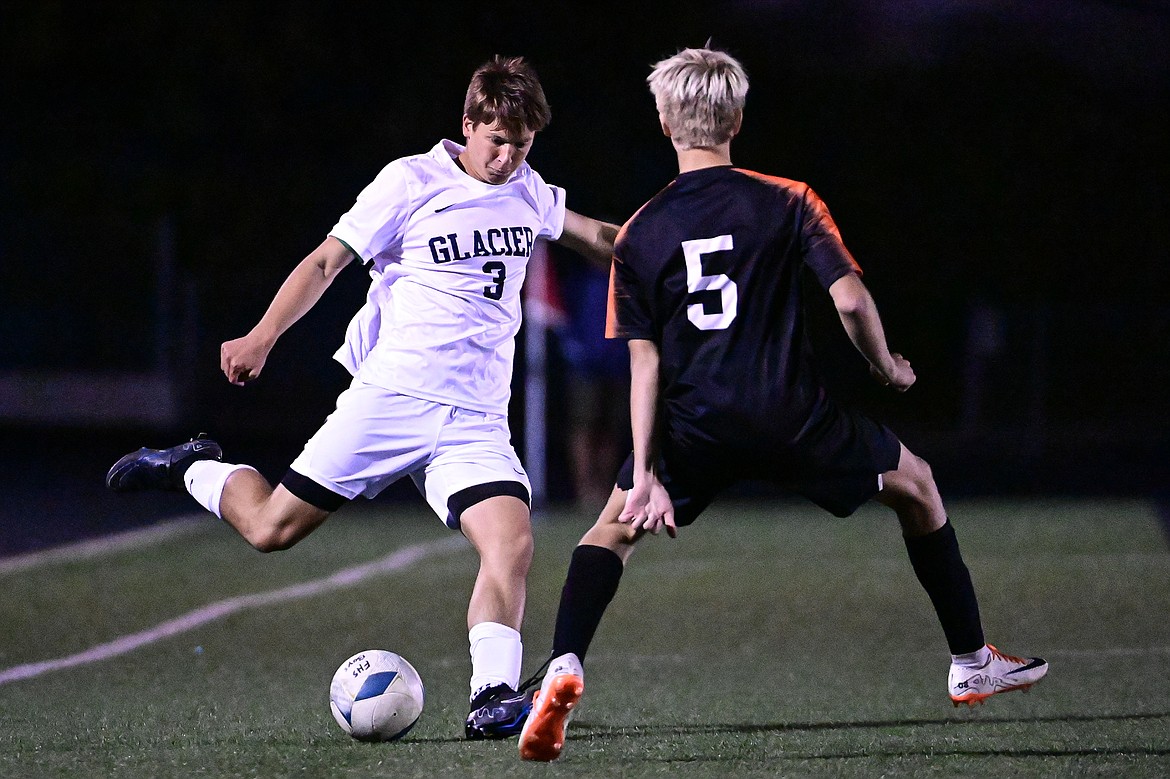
pixel 500 529
pixel 281 521
pixel 511 559
pixel 615 536
pixel 912 493
pixel 921 489
pixel 275 536
pixel 607 532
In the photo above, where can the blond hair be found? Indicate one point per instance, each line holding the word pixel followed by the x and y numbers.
pixel 700 93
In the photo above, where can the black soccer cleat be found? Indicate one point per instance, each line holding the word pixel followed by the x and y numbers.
pixel 498 712
pixel 160 469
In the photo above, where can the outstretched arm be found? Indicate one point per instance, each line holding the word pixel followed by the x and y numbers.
pixel 591 238
pixel 242 359
pixel 859 315
pixel 648 505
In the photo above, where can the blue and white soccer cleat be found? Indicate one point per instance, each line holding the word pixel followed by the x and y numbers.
pixel 498 712
pixel 1001 673
pixel 160 469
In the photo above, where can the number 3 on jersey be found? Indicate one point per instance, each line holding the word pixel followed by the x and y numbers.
pixel 693 252
pixel 498 271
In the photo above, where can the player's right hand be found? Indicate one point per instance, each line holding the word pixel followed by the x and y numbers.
pixel 648 507
pixel 899 377
pixel 242 359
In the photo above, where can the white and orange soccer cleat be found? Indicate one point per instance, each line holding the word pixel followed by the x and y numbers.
pixel 543 735
pixel 1001 673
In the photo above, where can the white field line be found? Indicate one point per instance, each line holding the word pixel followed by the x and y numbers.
pixel 346 577
pixel 130 539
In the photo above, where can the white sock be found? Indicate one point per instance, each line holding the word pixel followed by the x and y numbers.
pixel 205 480
pixel 976 659
pixel 496 655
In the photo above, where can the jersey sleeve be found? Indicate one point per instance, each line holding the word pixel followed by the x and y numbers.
pixel 824 252
pixel 551 203
pixel 628 313
pixel 375 223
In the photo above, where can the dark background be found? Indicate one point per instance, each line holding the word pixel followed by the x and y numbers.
pixel 999 169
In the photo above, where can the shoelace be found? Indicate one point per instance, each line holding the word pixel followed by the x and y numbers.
pixel 536 678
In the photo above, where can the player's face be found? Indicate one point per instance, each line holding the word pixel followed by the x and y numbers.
pixel 493 153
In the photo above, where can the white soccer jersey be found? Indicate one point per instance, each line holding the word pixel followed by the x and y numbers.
pixel 449 256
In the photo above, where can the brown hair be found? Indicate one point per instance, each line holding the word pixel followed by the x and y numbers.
pixel 507 90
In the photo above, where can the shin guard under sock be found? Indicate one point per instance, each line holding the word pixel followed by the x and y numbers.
pixel 940 568
pixel 594 574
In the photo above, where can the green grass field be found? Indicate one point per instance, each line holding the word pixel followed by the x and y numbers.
pixel 765 641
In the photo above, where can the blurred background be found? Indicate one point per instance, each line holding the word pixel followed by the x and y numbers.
pixel 1001 170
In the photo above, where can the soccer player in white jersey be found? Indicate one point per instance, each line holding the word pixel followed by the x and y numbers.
pixel 447 236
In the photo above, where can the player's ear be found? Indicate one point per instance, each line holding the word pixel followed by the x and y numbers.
pixel 468 126
pixel 738 124
pixel 665 126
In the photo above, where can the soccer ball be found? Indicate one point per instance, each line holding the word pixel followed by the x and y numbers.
pixel 376 696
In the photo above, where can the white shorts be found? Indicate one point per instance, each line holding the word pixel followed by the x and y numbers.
pixel 455 457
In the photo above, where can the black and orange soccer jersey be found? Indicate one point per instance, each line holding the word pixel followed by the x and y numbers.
pixel 709 270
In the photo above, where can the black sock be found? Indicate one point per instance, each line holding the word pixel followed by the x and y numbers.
pixel 594 573
pixel 939 566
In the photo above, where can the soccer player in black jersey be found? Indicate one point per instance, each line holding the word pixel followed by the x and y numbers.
pixel 706 289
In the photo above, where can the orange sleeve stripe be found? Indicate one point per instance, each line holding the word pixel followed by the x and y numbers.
pixel 775 181
pixel 611 325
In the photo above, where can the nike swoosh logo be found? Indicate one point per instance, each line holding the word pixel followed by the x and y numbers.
pixel 444 208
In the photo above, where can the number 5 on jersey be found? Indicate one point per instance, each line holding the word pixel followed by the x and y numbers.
pixel 693 252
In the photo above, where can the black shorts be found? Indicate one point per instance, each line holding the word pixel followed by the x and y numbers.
pixel 836 464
